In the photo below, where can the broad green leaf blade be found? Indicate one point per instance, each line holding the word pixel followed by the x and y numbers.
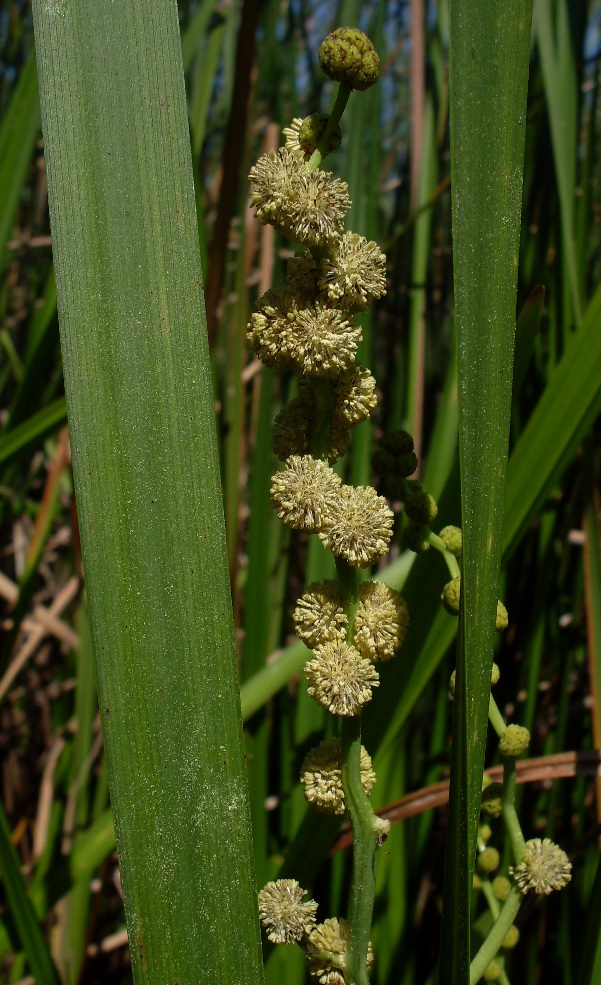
pixel 489 53
pixel 144 451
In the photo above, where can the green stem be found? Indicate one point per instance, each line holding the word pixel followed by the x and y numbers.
pixel 349 593
pixel 495 717
pixel 512 824
pixel 365 843
pixel 498 932
pixel 321 150
pixel 450 559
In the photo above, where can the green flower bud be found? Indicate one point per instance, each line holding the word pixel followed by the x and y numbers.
pixel 347 55
pixel 501 888
pixel 488 860
pixel 502 617
pixel 485 832
pixel 450 596
pixel 514 741
pixel 493 972
pixel 420 506
pixel 476 881
pixel 491 800
pixel 415 538
pixel 495 675
pixel 511 938
pixel 311 130
pixel 452 539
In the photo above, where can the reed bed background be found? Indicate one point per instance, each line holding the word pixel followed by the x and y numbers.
pixel 250 68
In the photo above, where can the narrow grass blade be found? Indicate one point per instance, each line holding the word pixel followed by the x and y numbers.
pixel 33 431
pixel 22 911
pixel 489 53
pixel 143 437
pixel 18 133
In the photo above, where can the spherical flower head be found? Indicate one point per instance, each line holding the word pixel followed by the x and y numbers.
pixel 544 867
pixel 321 341
pixel 381 621
pixel 415 538
pixel 326 952
pixel 282 914
pixel 491 800
pixel 451 595
pixel 321 776
pixel 347 55
pixel 291 428
pixel 355 396
pixel 495 675
pixel 319 617
pixel 353 273
pixel 420 506
pixel 341 679
pixel 303 494
pixel 502 618
pixel 358 526
pixel 489 860
pixel 303 135
pixel 511 938
pixel 484 832
pixel 493 972
pixel 269 328
pixel 514 741
pixel 501 888
pixel 309 207
pixel 452 539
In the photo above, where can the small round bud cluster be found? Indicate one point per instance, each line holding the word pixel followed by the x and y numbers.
pixel 491 800
pixel 501 888
pixel 452 539
pixel 282 914
pixel 326 952
pixel 395 458
pixel 489 860
pixel 544 867
pixel 321 776
pixel 416 538
pixel 341 680
pixel 347 55
pixel 420 507
pixel 493 972
pixel 514 741
pixel 451 595
pixel 502 618
pixel 303 136
pixel 511 938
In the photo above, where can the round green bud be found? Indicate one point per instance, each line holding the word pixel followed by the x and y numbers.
pixel 495 675
pixel 450 596
pixel 420 506
pixel 452 683
pixel 476 881
pixel 415 538
pixel 488 860
pixel 491 800
pixel 452 539
pixel 398 442
pixel 485 832
pixel 311 130
pixel 514 741
pixel 347 55
pixel 511 938
pixel 501 888
pixel 493 972
pixel 502 618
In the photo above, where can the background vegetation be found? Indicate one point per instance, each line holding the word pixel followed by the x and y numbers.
pixel 250 68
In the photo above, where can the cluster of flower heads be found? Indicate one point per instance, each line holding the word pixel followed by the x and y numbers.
pixel 288 920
